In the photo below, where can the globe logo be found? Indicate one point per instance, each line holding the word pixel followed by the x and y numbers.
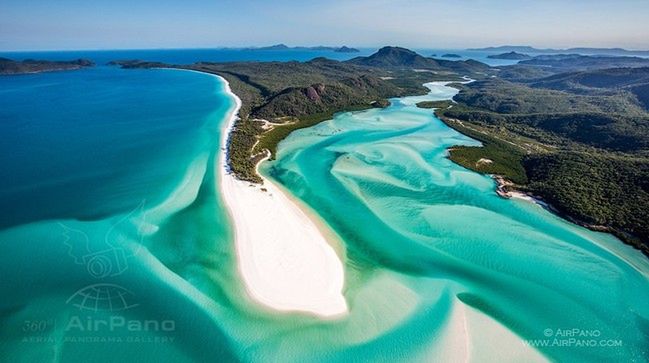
pixel 102 297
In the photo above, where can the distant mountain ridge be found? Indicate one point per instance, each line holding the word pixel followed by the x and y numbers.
pixel 581 50
pixel 577 61
pixel 593 82
pixel 510 56
pixel 550 64
pixel 397 57
pixel 281 46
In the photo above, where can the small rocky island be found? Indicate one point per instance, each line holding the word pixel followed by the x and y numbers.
pixel 451 55
pixel 510 56
pixel 9 66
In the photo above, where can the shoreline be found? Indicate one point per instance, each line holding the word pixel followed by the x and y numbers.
pixel 507 189
pixel 285 262
pixel 332 238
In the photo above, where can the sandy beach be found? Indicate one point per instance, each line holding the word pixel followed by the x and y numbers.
pixel 284 260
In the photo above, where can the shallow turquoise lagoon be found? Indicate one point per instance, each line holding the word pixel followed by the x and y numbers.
pixel 382 180
pixel 115 244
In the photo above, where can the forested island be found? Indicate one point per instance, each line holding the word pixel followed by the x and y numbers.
pixel 510 56
pixel 279 97
pixel 581 50
pixel 577 139
pixel 571 130
pixel 9 66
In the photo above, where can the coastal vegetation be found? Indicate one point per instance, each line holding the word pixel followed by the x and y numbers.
pixel 578 140
pixel 571 130
pixel 241 140
pixel 435 104
pixel 271 138
pixel 280 97
pixel 607 191
pixel 9 67
pixel 496 156
pixel 294 95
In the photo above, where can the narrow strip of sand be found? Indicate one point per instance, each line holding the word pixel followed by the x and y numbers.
pixel 285 262
pixel 472 336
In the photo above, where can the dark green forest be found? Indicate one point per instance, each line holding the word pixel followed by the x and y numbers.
pixel 578 140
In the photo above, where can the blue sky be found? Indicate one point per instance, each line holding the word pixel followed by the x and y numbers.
pixel 100 24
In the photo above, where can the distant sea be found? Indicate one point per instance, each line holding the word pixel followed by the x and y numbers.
pixel 186 56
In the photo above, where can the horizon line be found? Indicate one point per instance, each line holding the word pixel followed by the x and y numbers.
pixel 244 47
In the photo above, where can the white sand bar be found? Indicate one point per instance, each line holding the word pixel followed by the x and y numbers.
pixel 472 336
pixel 285 261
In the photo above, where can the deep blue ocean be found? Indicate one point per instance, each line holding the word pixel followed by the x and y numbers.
pixel 92 142
pixel 186 56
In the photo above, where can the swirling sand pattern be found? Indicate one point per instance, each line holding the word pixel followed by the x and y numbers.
pixel 437 267
pixel 382 180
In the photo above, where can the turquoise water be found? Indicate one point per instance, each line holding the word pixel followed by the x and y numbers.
pixel 115 245
pixel 381 179
pixel 102 169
